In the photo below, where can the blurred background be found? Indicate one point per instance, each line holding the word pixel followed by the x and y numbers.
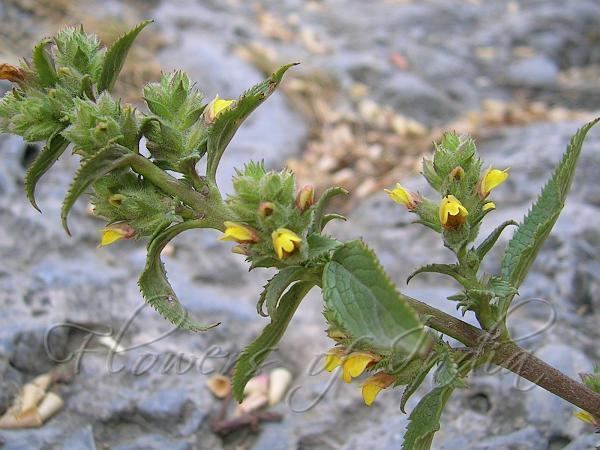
pixel 378 82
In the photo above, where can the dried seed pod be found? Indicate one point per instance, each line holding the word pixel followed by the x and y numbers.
pixel 219 385
pixel 280 380
pixel 31 419
pixel 257 385
pixel 252 403
pixel 30 397
pixel 43 381
pixel 50 405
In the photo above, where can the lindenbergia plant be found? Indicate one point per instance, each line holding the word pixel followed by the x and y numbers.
pixel 61 96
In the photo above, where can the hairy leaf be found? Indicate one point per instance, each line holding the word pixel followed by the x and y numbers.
pixel 535 228
pixel 425 419
pixel 276 286
pixel 445 269
pixel 48 156
pixel 227 123
pixel 418 379
pixel 318 222
pixel 256 353
pixel 491 240
pixel 43 64
pixel 116 55
pixel 367 306
pixel 92 169
pixel 320 245
pixel 155 286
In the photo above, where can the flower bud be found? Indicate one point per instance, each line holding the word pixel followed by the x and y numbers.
pixel 242 234
pixel 452 212
pixel 403 197
pixel 285 242
pixel 116 199
pixel 457 173
pixel 491 179
pixel 115 232
pixel 265 209
pixel 305 198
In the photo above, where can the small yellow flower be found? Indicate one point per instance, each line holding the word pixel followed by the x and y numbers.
pixel 488 206
pixel 403 197
pixel 355 364
pixel 285 242
pixel 305 198
pixel 373 385
pixel 491 179
pixel 116 232
pixel 215 108
pixel 241 234
pixel 452 212
pixel 587 418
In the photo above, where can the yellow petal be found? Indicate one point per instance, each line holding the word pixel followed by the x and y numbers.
pixel 110 236
pixel 488 206
pixel 585 417
pixel 284 241
pixel 400 195
pixel 332 361
pixel 354 365
pixel 238 233
pixel 370 392
pixel 217 107
pixel 451 206
pixel 493 178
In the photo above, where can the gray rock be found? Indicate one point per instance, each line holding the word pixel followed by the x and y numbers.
pixel 533 72
pixel 37 350
pixel 166 406
pixel 586 442
pixel 10 382
pixel 153 442
pixel 526 439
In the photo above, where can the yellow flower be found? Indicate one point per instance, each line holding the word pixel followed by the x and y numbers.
pixel 403 197
pixel 355 364
pixel 305 198
pixel 488 206
pixel 373 385
pixel 491 179
pixel 452 212
pixel 116 232
pixel 333 359
pixel 285 242
pixel 241 234
pixel 587 418
pixel 215 108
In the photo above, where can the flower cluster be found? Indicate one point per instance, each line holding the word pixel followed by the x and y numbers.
pixel 455 172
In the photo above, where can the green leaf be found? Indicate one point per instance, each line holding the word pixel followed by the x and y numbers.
pixel 445 269
pixel 425 419
pixel 418 379
pixel 43 64
pixel 116 55
pixel 318 221
pixel 319 245
pixel 276 286
pixel 227 123
pixel 332 216
pixel 48 156
pixel 536 226
pixel 256 353
pixel 155 286
pixel 491 240
pixel 366 305
pixel 92 169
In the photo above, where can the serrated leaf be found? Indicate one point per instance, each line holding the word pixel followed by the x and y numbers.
pixel 43 64
pixel 48 156
pixel 447 373
pixel 417 380
pixel 92 169
pixel 444 269
pixel 329 217
pixel 155 286
pixel 275 288
pixel 116 55
pixel 319 245
pixel 318 223
pixel 366 304
pixel 536 226
pixel 425 419
pixel 227 123
pixel 256 353
pixel 491 240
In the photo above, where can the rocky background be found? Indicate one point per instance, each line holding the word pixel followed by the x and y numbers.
pixel 378 81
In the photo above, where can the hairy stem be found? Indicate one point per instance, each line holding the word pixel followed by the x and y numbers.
pixel 509 355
